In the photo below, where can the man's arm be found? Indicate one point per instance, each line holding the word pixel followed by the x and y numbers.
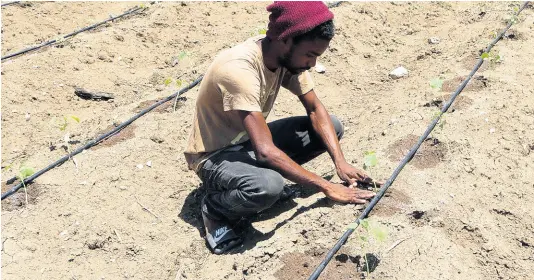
pixel 322 124
pixel 269 155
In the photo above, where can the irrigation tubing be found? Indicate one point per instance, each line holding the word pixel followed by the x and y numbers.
pixel 99 139
pixel 9 3
pixel 406 159
pixel 130 11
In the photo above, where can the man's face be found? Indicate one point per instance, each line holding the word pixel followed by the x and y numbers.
pixel 303 56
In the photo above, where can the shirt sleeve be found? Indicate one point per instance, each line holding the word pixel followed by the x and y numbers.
pixel 239 85
pixel 298 84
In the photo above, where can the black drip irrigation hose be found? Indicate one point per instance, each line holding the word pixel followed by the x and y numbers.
pixel 9 3
pixel 98 139
pixel 130 11
pixel 317 272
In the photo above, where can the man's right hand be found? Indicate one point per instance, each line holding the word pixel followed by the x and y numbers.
pixel 340 193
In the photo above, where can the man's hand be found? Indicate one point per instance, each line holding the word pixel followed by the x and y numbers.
pixel 352 175
pixel 343 194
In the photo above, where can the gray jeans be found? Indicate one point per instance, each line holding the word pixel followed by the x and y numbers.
pixel 238 186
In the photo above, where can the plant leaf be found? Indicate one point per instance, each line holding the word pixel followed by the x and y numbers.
pixel 167 81
pixel 352 226
pixel 25 172
pixel 75 118
pixel 378 233
pixel 178 83
pixel 365 224
pixel 363 238
pixel 8 167
pixel 436 83
pixel 370 159
pixel 182 55
pixel 484 55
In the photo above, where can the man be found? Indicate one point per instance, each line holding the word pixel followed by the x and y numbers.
pixel 240 158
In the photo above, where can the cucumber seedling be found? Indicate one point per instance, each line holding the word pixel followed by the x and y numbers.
pixel 368 230
pixel 370 161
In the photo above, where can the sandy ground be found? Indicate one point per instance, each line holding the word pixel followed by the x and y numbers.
pixel 463 208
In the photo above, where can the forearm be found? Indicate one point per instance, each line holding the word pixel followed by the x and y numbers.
pixel 322 124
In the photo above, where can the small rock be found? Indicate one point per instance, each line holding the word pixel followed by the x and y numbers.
pixel 123 188
pixel 174 61
pixel 119 38
pixel 28 116
pixel 149 163
pixel 319 68
pixel 398 73
pixel 139 166
pixel 492 130
pixel 433 40
pixel 160 87
pixel 157 139
pixel 367 55
pixel 487 247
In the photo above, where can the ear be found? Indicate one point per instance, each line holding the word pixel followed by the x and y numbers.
pixel 288 43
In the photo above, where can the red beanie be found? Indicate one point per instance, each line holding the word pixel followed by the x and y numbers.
pixel 292 18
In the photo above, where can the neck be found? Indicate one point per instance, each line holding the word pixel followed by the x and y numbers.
pixel 270 55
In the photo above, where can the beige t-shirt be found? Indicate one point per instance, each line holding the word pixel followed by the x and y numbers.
pixel 236 80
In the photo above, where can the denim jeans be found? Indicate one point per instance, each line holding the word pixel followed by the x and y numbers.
pixel 239 187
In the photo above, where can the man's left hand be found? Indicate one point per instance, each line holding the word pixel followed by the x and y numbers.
pixel 352 175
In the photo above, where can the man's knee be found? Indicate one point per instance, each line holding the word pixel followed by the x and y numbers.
pixel 267 187
pixel 338 126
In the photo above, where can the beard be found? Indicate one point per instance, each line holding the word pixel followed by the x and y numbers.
pixel 285 61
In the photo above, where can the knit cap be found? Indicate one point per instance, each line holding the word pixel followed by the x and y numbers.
pixel 293 18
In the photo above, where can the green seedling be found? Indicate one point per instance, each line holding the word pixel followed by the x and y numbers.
pixel 493 57
pixel 167 81
pixel 258 31
pixel 183 55
pixel 370 161
pixel 441 115
pixel 513 19
pixel 25 172
pixel 63 127
pixel 60 39
pixel 368 230
pixel 436 83
pixel 179 83
pixel 441 124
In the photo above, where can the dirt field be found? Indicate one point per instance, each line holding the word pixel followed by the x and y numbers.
pixel 463 209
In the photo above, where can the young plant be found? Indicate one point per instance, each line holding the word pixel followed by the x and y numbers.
pixel 436 83
pixel 368 230
pixel 441 124
pixel 167 81
pixel 25 172
pixel 370 161
pixel 63 127
pixel 493 57
pixel 258 31
pixel 182 55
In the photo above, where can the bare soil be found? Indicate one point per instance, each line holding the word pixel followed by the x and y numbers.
pixel 464 207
